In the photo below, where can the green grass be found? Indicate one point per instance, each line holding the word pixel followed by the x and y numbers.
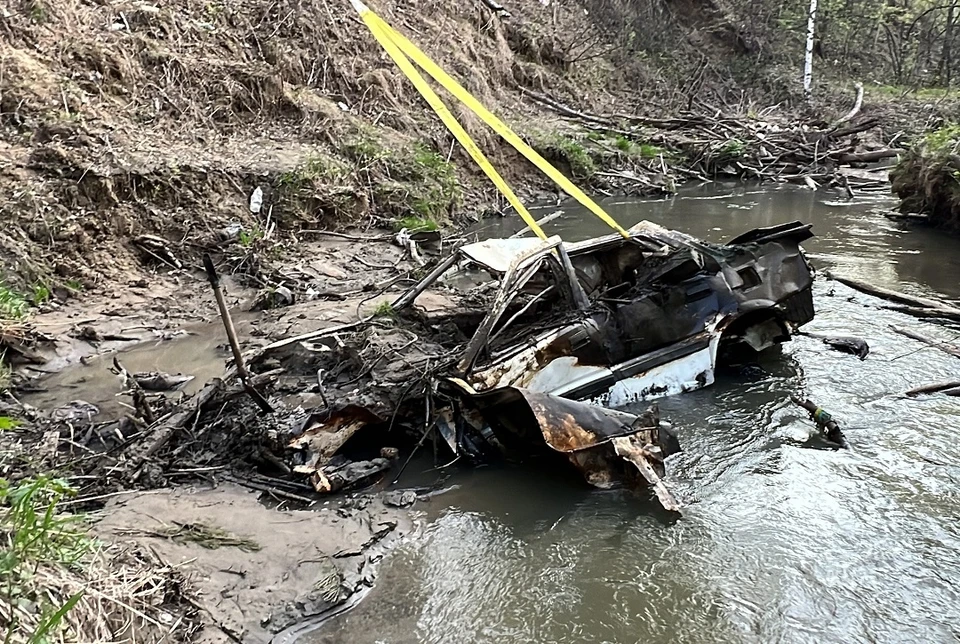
pixel 624 144
pixel 424 185
pixel 362 146
pixel 41 293
pixel 733 148
pixel 946 138
pixel 248 237
pixel 416 224
pixel 385 310
pixel 38 11
pixel 35 533
pixel 559 148
pixel 648 151
pixel 317 167
pixel 13 305
pixel 209 537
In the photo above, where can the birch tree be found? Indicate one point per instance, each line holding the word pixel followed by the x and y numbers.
pixel 808 58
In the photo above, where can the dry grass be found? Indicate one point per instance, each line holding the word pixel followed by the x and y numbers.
pixel 58 585
pixel 927 179
pixel 129 118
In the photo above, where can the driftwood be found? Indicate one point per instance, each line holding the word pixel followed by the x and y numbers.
pixel 241 367
pixel 858 103
pixel 938 344
pixel 932 313
pixel 540 222
pixel 735 146
pixel 937 387
pixel 163 430
pixel 921 306
pixel 869 157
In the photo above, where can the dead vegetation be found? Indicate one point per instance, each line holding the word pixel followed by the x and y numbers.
pixel 128 119
pixel 61 585
pixel 926 180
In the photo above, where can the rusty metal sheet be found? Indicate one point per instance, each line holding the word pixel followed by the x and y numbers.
pixel 565 425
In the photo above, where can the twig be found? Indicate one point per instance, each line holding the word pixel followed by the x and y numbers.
pixel 330 233
pixel 258 398
pixel 271 490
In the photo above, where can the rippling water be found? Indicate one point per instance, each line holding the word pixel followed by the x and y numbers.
pixel 782 539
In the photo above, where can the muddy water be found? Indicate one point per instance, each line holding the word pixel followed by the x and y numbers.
pixel 198 354
pixel 782 538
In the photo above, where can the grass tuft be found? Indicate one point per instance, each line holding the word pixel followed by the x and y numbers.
pixel 13 305
pixel 36 535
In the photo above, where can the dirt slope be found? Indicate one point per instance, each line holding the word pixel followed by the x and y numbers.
pixel 129 118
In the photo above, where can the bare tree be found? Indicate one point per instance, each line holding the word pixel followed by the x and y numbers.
pixel 808 58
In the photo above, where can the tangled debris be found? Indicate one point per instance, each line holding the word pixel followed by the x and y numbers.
pixel 516 348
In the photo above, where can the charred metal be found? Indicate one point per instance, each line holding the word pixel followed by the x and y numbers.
pixel 511 347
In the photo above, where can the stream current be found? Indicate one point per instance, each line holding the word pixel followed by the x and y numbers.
pixel 782 538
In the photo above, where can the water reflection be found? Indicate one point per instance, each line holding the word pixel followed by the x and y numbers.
pixel 779 542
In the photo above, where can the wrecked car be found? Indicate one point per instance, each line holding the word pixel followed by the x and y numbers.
pixel 652 313
pixel 562 340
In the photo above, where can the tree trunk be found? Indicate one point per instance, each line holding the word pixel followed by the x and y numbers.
pixel 946 59
pixel 808 59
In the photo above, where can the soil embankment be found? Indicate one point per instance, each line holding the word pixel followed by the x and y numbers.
pixel 134 135
pixel 926 179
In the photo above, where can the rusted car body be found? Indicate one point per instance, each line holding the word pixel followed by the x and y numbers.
pixel 564 340
pixel 657 311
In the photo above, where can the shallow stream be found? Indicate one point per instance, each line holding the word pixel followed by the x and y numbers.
pixel 782 539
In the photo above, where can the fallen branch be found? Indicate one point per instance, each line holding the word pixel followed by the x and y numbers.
pixel 939 344
pixel 927 312
pixel 893 296
pixel 868 157
pixel 933 389
pixel 858 103
pixel 540 222
pixel 257 397
pixel 162 431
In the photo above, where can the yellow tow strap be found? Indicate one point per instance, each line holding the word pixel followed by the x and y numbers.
pixel 402 51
